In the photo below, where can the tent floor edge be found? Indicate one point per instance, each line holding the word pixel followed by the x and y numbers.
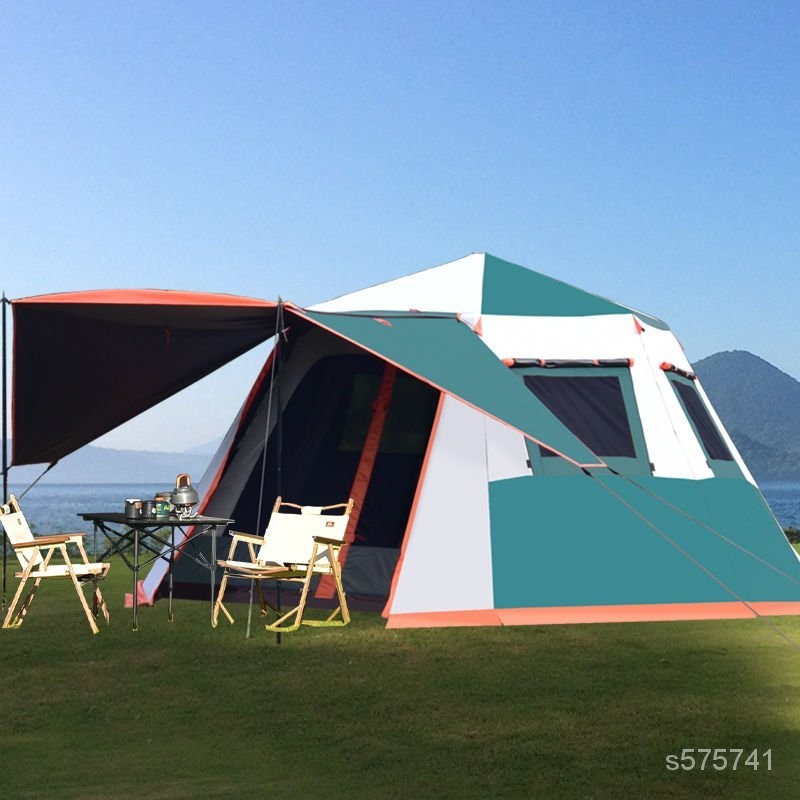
pixel 564 615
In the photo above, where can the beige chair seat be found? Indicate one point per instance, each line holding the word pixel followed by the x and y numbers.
pixel 296 546
pixel 82 571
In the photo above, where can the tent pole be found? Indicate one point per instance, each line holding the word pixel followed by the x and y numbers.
pixel 279 432
pixel 4 303
pixel 271 362
pixel 279 421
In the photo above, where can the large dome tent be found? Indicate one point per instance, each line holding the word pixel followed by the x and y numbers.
pixel 519 451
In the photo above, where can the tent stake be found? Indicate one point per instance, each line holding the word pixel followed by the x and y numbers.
pixel 249 610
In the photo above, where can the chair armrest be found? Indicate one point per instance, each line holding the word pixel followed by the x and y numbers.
pixel 246 537
pixel 285 503
pixel 45 541
pixel 326 540
pixel 348 505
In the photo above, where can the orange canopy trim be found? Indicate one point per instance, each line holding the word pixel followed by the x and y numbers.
pixel 163 297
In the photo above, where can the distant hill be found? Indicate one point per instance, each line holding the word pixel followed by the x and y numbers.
pixel 207 448
pixel 760 408
pixel 104 465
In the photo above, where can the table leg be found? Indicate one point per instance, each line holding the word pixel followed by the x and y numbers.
pixel 136 579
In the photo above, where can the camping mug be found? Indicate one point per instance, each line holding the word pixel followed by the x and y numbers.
pixel 133 509
pixel 148 509
pixel 163 505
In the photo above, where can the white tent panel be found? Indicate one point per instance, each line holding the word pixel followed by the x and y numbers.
pixel 667 453
pixel 506 453
pixel 671 440
pixel 447 561
pixel 453 287
pixel 659 347
pixel 671 445
pixel 600 336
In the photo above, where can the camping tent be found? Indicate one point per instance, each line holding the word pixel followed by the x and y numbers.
pixel 520 451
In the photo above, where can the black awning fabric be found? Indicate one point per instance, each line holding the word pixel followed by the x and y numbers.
pixel 86 362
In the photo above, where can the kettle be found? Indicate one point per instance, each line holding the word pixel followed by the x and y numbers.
pixel 184 495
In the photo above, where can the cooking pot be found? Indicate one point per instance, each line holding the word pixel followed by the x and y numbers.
pixel 184 494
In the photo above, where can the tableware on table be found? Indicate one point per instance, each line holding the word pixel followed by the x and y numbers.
pixel 184 496
pixel 133 508
pixel 163 504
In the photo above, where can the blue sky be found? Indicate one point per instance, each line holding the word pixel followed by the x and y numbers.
pixel 646 151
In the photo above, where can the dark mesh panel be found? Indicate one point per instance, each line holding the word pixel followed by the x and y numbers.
pixel 593 408
pixel 706 429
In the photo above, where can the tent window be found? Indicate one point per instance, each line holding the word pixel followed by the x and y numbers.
pixel 704 426
pixel 592 407
pixel 359 411
pixel 408 422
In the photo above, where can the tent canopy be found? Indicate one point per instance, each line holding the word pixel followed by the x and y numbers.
pixel 86 362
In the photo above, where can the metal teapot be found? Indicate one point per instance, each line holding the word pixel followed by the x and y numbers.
pixel 184 495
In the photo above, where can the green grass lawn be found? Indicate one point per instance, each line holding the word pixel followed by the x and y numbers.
pixel 179 710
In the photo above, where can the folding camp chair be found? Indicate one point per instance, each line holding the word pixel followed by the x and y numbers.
pixel 35 554
pixel 295 547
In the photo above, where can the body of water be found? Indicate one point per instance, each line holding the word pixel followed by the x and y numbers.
pixel 784 500
pixel 55 507
pixel 52 508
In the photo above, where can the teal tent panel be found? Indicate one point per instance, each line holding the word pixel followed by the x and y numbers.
pixel 449 355
pixel 514 290
pixel 567 541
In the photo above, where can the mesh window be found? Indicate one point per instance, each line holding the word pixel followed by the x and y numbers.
pixel 715 447
pixel 592 407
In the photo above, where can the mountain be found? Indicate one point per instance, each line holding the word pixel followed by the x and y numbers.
pixel 207 448
pixel 105 465
pixel 760 408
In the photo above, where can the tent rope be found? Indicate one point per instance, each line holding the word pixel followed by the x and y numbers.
pixel 688 555
pixel 5 543
pixel 705 525
pixel 697 563
pixel 278 331
pixel 686 514
pixel 36 480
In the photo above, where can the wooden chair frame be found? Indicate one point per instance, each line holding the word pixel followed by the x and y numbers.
pixel 35 555
pixel 322 558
